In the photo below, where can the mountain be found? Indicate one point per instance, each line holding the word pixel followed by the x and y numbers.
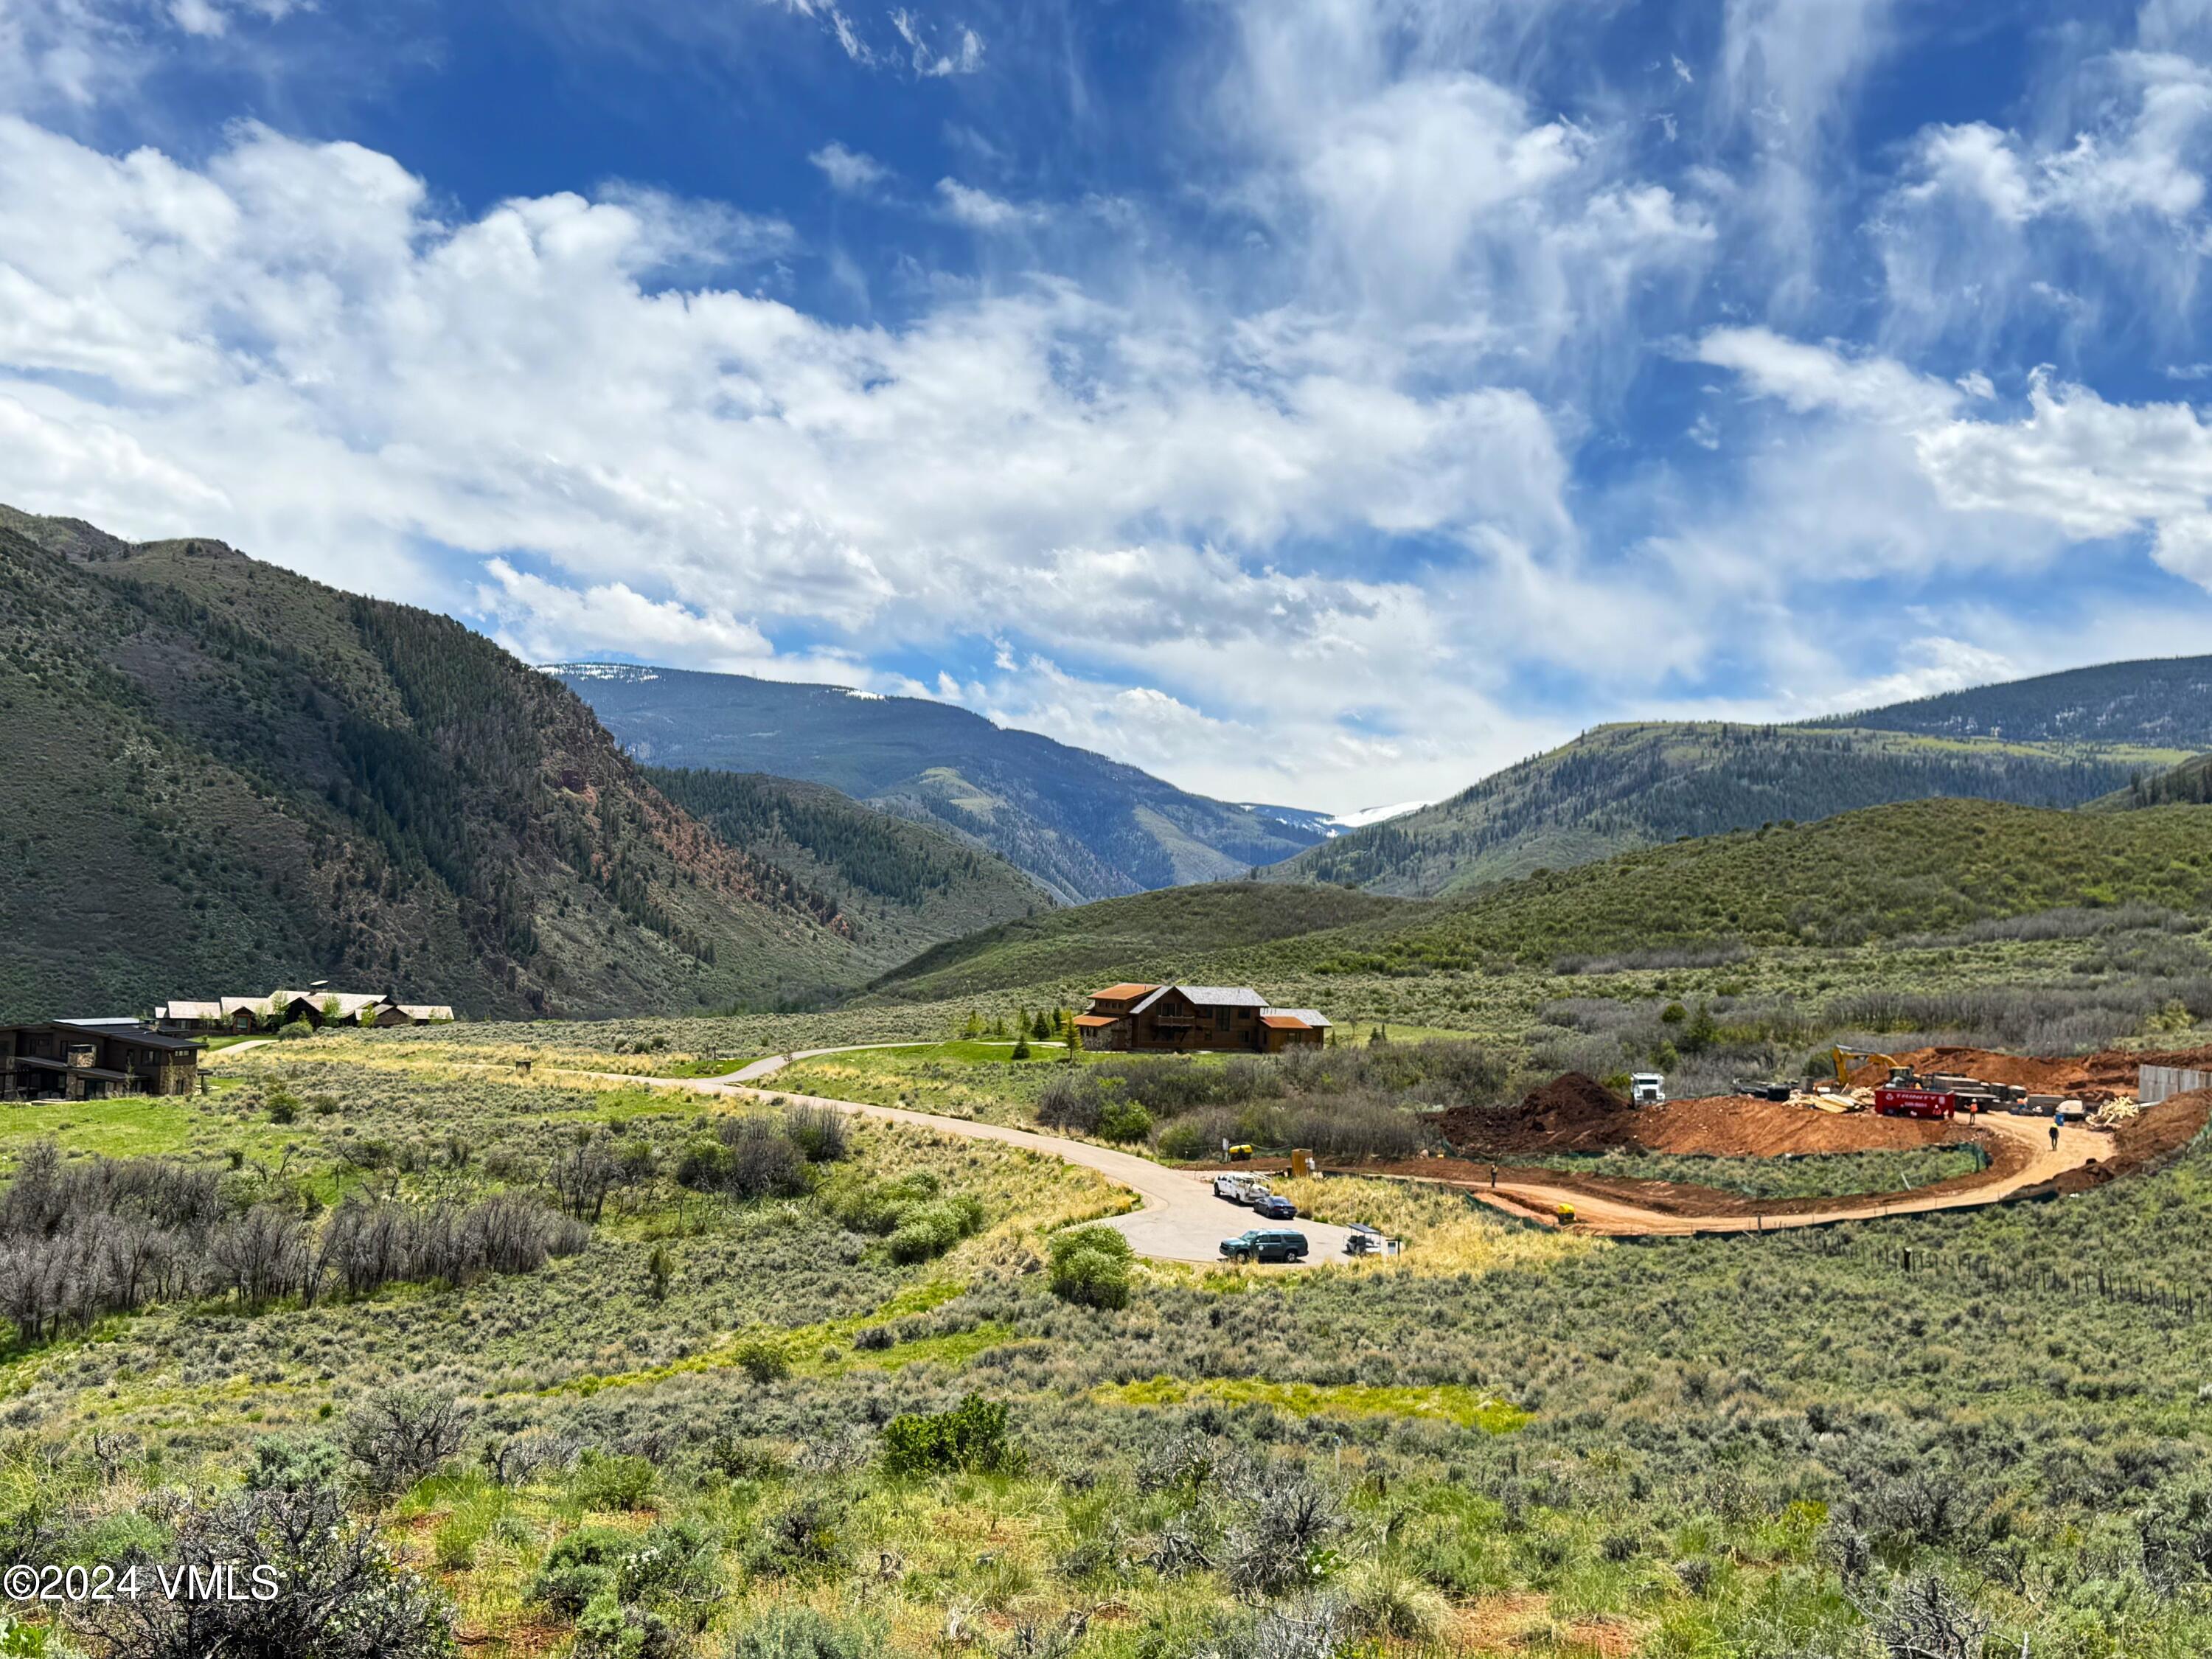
pixel 903 886
pixel 1880 873
pixel 1637 784
pixel 2156 703
pixel 1158 936
pixel 219 777
pixel 1084 826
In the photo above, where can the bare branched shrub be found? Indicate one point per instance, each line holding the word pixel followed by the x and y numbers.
pixel 397 1436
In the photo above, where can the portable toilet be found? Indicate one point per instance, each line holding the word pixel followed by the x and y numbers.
pixel 1302 1164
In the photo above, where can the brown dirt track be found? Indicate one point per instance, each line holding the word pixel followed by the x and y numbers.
pixel 1576 1113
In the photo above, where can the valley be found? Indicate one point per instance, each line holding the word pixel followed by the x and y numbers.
pixel 763 1266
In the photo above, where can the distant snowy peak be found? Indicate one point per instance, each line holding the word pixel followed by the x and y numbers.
pixel 637 673
pixel 1322 823
pixel 1367 815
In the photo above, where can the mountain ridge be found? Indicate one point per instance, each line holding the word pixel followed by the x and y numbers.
pixel 222 774
pixel 1082 824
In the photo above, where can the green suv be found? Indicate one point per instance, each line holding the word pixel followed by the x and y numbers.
pixel 1266 1245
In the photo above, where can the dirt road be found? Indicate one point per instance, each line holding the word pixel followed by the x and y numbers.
pixel 2076 1147
pixel 1182 1221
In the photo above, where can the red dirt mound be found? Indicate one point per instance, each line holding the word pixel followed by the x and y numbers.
pixel 2090 1078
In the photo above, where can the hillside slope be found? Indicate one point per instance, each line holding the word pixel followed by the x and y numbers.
pixel 1630 786
pixel 1160 936
pixel 1883 872
pixel 1082 825
pixel 902 886
pixel 2162 703
pixel 221 776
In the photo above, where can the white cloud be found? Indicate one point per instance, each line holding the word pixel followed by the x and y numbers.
pixel 979 209
pixel 849 170
pixel 1808 377
pixel 2087 469
pixel 962 56
pixel 290 348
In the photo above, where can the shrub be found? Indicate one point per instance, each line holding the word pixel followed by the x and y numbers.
pixel 820 1131
pixel 803 1633
pixel 680 1562
pixel 608 1628
pixel 763 1358
pixel 1091 1267
pixel 969 1438
pixel 342 1595
pixel 577 1568
pixel 397 1436
pixel 799 1540
pixel 603 1481
pixel 931 1230
pixel 1124 1120
pixel 284 1465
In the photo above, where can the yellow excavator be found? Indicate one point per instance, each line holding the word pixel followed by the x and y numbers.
pixel 1845 1058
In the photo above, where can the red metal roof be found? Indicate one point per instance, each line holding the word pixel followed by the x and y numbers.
pixel 1118 992
pixel 1096 1020
pixel 1284 1022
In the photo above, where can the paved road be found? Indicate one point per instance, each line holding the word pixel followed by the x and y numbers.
pixel 1182 1220
pixel 2076 1146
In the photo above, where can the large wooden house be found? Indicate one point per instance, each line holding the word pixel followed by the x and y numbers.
pixel 95 1060
pixel 1154 1018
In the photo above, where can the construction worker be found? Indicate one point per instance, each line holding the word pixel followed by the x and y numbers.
pixel 1493 1177
pixel 2055 1122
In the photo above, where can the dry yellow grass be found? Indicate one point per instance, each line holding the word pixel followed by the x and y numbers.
pixel 1445 1232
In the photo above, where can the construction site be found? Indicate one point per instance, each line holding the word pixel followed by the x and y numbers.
pixel 2037 1127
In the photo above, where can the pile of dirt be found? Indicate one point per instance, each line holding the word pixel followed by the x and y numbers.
pixel 1577 1114
pixel 1574 1110
pixel 2088 1078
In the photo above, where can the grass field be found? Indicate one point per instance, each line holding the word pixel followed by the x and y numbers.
pixel 1506 1441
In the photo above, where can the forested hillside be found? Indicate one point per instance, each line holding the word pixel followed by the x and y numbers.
pixel 902 886
pixel 1629 785
pixel 221 776
pixel 1082 825
pixel 1880 873
pixel 2163 702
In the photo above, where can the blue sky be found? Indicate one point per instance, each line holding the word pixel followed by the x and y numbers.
pixel 1320 401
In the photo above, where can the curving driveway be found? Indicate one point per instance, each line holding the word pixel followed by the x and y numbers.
pixel 1182 1220
pixel 2076 1147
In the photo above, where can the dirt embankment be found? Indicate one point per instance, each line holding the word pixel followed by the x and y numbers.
pixel 1577 1114
pixel 2087 1077
pixel 2146 1140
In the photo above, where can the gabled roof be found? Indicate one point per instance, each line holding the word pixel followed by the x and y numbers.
pixel 1207 996
pixel 1223 996
pixel 1119 992
pixel 189 1011
pixel 349 1002
pixel 244 1005
pixel 1312 1016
